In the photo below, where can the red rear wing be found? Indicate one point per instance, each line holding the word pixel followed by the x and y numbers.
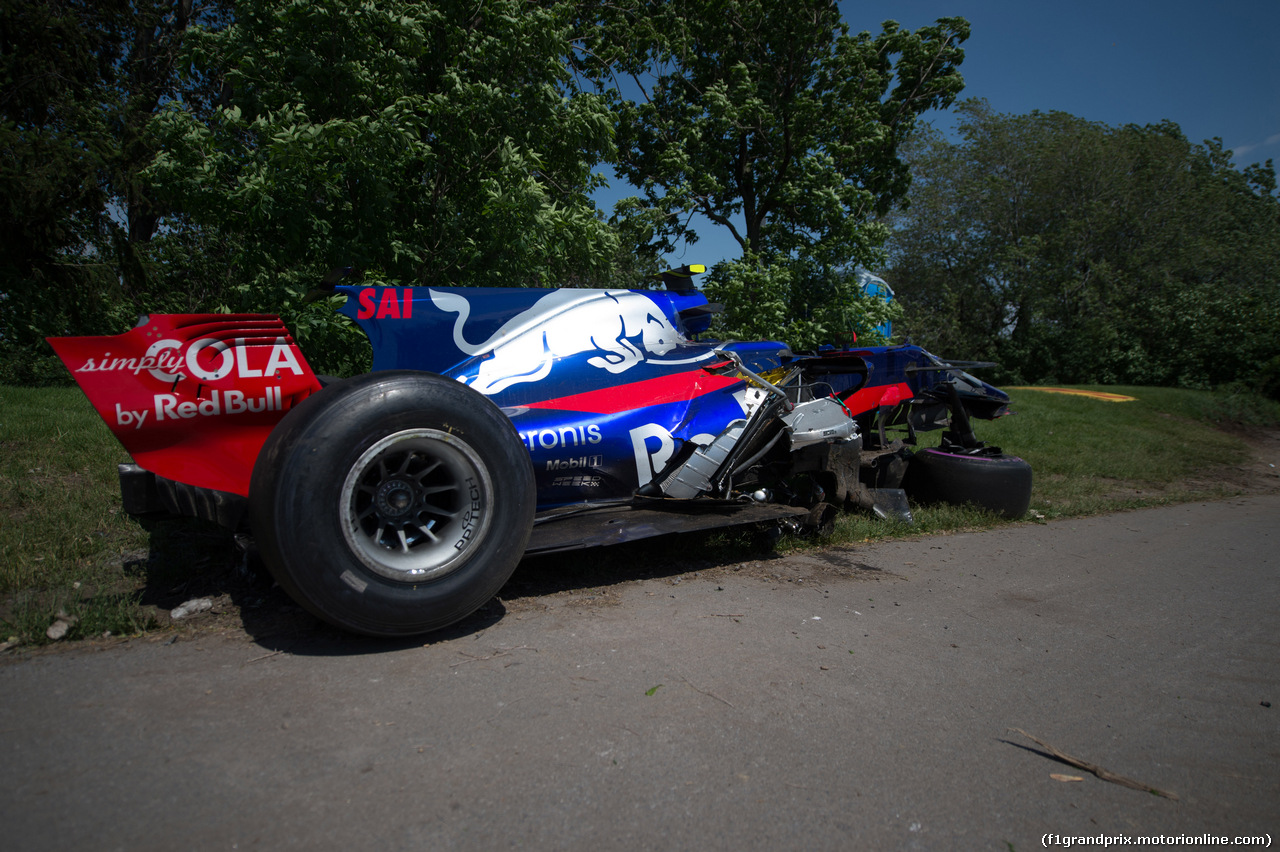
pixel 193 397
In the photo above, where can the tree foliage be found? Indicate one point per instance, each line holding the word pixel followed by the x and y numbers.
pixel 767 117
pixel 1070 251
pixel 422 143
pixel 801 303
pixel 170 155
pixel 79 81
pixel 774 121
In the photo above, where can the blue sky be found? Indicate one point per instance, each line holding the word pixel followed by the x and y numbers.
pixel 1211 67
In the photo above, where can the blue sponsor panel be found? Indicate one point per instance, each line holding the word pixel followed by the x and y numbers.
pixel 605 455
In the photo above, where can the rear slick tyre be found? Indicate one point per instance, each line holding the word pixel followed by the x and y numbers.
pixel 394 503
pixel 997 483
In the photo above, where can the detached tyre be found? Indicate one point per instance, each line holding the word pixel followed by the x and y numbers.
pixel 996 482
pixel 394 503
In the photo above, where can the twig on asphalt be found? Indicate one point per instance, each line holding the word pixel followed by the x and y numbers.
pixel 502 710
pixel 1104 774
pixel 705 692
pixel 263 657
pixel 471 658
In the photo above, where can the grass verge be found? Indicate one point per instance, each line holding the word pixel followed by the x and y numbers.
pixel 67 548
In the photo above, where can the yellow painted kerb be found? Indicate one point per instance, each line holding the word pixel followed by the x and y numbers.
pixel 1108 397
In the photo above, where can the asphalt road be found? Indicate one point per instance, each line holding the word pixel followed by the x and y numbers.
pixel 854 699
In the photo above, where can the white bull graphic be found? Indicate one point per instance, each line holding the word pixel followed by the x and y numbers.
pixel 624 328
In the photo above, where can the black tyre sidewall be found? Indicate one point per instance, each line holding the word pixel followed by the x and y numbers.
pixel 1001 483
pixel 297 482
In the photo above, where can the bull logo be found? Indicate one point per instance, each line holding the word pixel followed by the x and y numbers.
pixel 620 327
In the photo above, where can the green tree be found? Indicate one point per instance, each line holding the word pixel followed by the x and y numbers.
pixel 767 117
pixel 1072 251
pixel 54 58
pixel 773 121
pixel 423 143
pixel 79 81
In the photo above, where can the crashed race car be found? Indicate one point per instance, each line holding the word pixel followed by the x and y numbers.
pixel 499 422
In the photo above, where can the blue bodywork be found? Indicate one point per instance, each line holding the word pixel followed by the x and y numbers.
pixel 605 387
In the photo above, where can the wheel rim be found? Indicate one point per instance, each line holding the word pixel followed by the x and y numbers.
pixel 416 505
